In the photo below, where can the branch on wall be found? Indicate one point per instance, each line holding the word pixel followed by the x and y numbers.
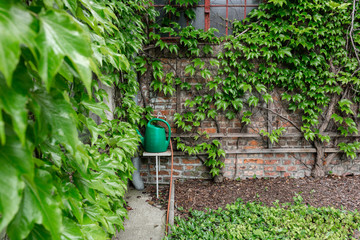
pixel 281 116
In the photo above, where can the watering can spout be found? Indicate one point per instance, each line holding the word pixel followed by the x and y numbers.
pixel 141 137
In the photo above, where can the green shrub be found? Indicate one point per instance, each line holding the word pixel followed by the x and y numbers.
pixel 255 221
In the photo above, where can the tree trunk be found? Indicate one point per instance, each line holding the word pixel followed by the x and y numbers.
pixel 318 169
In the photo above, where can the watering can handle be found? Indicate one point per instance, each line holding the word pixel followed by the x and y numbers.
pixel 161 120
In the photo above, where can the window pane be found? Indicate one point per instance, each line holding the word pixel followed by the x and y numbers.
pixel 236 13
pixel 253 2
pixel 182 20
pixel 217 19
pixel 217 2
pixel 199 21
pixel 249 9
pixel 161 2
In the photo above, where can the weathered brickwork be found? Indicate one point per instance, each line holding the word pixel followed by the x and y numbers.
pixel 241 165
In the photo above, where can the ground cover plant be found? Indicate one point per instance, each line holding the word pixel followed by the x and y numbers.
pixel 254 220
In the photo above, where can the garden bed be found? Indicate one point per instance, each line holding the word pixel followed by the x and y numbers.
pixel 337 191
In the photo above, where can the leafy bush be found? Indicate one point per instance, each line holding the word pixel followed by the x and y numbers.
pixel 256 221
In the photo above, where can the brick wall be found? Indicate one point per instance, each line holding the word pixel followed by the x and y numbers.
pixel 236 136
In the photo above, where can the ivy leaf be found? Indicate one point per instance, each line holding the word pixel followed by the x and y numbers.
pixel 278 2
pixel 284 51
pixel 26 217
pixel 212 113
pixel 14 104
pixel 96 107
pixel 59 115
pixel 230 115
pixel 42 190
pixel 253 101
pixel 205 73
pixel 15 30
pixel 61 36
pixel 221 104
pixel 15 161
pixel 237 104
pixel 190 69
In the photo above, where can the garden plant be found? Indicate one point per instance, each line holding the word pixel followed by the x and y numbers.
pixel 64 176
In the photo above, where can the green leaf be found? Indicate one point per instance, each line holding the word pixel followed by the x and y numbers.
pixel 14 104
pixel 42 190
pixel 60 35
pixel 96 107
pixel 26 217
pixel 230 115
pixel 57 114
pixel 15 161
pixel 253 101
pixel 71 230
pixel 15 30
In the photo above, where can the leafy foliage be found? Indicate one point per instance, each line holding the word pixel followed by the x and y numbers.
pixel 299 49
pixel 255 221
pixel 63 175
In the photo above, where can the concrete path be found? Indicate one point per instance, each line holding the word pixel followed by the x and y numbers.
pixel 145 221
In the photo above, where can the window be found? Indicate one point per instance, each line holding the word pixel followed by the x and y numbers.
pixel 217 14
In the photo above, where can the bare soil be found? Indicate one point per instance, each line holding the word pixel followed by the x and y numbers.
pixel 336 191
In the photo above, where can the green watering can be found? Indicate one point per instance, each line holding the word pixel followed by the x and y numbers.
pixel 155 137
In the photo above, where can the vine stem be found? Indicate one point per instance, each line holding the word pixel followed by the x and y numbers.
pixel 281 116
pixel 351 35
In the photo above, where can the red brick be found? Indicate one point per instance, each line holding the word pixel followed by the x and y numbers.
pixel 287 174
pixel 292 168
pixel 177 167
pixel 280 155
pixel 278 168
pixel 210 130
pixel 144 174
pixel 250 147
pixel 270 162
pixel 190 161
pixel 254 160
pixel 160 173
pixel 189 167
pixel 271 173
pixel 269 168
pixel 176 173
pixel 254 143
pixel 287 162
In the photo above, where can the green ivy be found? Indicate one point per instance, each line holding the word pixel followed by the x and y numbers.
pixel 299 48
pixel 63 175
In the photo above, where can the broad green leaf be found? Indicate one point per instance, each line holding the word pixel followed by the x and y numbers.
pixel 57 114
pixel 94 130
pixel 2 129
pixel 42 189
pixel 26 217
pixel 61 36
pixel 15 161
pixel 39 233
pixel 14 104
pixel 96 107
pixel 71 230
pixel 15 30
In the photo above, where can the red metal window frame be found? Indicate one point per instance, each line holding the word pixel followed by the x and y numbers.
pixel 207 9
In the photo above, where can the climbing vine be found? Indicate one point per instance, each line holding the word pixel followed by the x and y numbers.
pixel 63 175
pixel 304 51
